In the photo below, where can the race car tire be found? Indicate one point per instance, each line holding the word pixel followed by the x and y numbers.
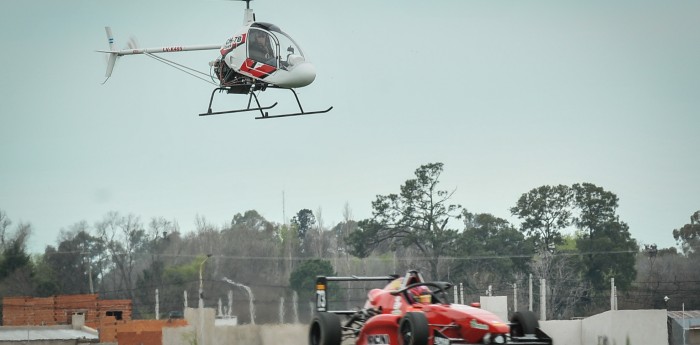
pixel 522 323
pixel 413 329
pixel 325 329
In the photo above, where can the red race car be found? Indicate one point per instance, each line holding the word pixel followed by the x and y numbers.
pixel 411 311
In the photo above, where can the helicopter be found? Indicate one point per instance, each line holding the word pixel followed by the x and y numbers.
pixel 250 61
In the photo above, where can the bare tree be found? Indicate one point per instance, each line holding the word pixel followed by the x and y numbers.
pixel 123 238
pixel 564 288
pixel 5 223
pixel 319 248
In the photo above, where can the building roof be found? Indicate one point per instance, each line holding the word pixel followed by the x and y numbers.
pixel 688 314
pixel 45 333
pixel 689 319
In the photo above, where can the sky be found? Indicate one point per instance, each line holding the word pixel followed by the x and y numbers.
pixel 508 95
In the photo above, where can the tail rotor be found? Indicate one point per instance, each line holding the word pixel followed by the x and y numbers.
pixel 112 55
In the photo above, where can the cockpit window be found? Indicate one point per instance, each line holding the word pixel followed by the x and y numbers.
pixel 262 47
pixel 291 54
pixel 286 50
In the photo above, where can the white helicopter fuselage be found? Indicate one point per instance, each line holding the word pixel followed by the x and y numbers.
pixel 286 69
pixel 283 64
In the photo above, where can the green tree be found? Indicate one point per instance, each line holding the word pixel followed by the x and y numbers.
pixel 45 278
pixel 545 211
pixel 152 278
pixel 303 279
pixel 688 236
pixel 418 217
pixel 303 222
pixel 610 254
pixel 595 206
pixel 75 261
pixel 15 257
pixel 251 219
pixel 606 240
pixel 14 254
pixel 16 267
pixel 177 278
pixel 495 251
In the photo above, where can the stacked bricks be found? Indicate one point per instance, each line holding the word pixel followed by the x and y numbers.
pixel 21 311
pixel 57 310
pixel 67 305
pixel 146 332
pixel 108 329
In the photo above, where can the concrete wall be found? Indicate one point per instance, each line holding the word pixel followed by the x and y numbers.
pixel 639 327
pixel 615 327
pixel 495 304
pixel 295 334
pixel 564 332
pixel 180 335
pixel 203 323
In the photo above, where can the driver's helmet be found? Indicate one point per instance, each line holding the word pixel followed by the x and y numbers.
pixel 420 294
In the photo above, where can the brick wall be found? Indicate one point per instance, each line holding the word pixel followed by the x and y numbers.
pixel 144 332
pixel 20 311
pixel 57 310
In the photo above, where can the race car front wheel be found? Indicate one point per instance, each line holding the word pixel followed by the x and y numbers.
pixel 413 329
pixel 523 323
pixel 325 329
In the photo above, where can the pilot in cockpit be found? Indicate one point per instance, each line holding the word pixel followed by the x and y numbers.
pixel 260 48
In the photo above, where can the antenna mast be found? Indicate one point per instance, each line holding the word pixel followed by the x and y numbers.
pixel 284 216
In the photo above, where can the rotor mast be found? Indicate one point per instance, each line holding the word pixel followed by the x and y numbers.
pixel 248 15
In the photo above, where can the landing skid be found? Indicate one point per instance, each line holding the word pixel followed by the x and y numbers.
pixel 252 96
pixel 301 110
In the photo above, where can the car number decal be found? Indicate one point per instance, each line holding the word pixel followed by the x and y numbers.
pixel 320 300
pixel 397 306
pixel 378 339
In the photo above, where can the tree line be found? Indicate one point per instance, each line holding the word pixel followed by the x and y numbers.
pixel 571 236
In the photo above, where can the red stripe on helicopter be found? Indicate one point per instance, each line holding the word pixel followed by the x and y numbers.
pixel 257 69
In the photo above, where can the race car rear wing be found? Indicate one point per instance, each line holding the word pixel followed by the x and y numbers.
pixel 322 290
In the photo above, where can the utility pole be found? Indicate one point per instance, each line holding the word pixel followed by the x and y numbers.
pixel 530 283
pixel 89 269
pixel 201 299
pixel 157 306
pixel 543 299
pixel 92 291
